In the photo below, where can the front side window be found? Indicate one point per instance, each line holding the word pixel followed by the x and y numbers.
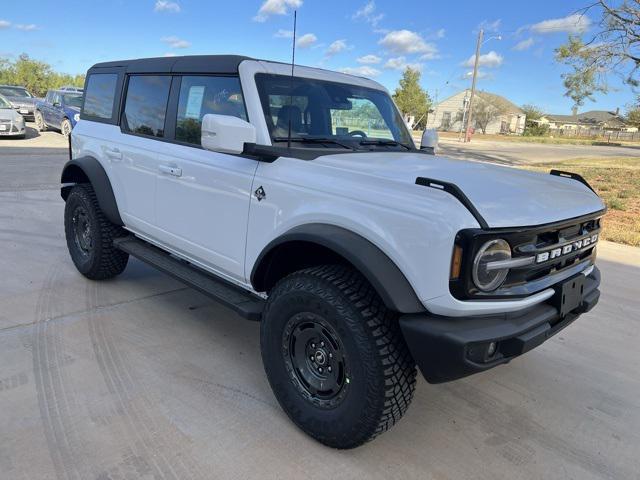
pixel 200 95
pixel 145 106
pixel 330 114
pixel 99 95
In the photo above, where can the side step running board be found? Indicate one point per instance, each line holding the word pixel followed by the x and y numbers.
pixel 242 302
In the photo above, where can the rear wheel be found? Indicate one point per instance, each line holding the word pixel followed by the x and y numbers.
pixel 90 236
pixel 335 357
pixel 39 119
pixel 65 127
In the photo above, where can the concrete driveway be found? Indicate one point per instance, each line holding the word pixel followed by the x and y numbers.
pixel 514 153
pixel 141 377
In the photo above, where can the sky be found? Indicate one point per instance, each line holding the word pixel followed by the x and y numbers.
pixel 377 39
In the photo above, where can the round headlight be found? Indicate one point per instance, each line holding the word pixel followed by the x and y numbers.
pixel 489 277
pixel 76 117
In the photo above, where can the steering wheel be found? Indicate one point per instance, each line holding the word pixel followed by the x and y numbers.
pixel 359 133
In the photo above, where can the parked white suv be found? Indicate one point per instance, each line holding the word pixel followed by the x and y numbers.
pixel 301 201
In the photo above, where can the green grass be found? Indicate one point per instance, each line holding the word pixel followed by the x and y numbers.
pixel 617 181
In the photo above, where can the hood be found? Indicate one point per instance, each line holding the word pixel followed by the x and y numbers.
pixel 504 196
pixel 22 101
pixel 7 114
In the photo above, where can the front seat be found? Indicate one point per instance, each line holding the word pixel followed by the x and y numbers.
pixel 282 123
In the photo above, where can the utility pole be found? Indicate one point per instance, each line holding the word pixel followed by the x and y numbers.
pixel 473 87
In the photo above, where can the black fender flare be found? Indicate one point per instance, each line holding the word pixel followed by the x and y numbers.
pixel 381 272
pixel 89 170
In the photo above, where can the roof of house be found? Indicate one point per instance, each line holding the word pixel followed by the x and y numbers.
pixel 491 98
pixel 592 117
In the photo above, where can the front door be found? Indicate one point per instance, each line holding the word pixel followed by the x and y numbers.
pixel 203 197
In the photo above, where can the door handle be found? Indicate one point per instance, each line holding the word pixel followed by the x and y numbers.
pixel 169 170
pixel 113 153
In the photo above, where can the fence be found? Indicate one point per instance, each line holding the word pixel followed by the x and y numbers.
pixel 596 134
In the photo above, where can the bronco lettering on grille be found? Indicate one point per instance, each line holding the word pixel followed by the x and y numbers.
pixel 567 249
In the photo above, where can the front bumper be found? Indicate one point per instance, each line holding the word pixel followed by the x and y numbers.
pixel 448 348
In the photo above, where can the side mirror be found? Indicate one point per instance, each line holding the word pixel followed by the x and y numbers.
pixel 56 104
pixel 224 133
pixel 429 140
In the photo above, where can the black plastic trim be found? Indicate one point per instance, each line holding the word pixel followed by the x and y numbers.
pixel 383 274
pixel 99 180
pixel 573 176
pixel 453 189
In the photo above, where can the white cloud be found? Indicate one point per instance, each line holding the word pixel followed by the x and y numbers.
pixel 169 54
pixel 481 74
pixel 283 33
pixel 336 47
pixel 369 59
pixel 575 23
pixel 400 63
pixel 407 42
pixel 4 24
pixel 166 6
pixel 368 14
pixel 175 42
pixel 440 33
pixel 490 26
pixel 524 44
pixel 306 40
pixel 362 71
pixel 491 60
pixel 27 27
pixel 275 7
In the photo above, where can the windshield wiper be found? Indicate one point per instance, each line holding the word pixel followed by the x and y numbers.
pixel 315 140
pixel 385 143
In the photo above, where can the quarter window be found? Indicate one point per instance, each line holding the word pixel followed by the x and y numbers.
pixel 99 95
pixel 146 104
pixel 200 95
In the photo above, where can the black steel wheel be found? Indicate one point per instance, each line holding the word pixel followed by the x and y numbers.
pixel 335 357
pixel 90 236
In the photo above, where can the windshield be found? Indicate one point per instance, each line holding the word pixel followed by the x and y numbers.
pixel 71 100
pixel 4 103
pixel 15 92
pixel 335 115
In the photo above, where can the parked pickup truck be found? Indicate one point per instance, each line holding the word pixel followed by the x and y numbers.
pixel 60 109
pixel 301 201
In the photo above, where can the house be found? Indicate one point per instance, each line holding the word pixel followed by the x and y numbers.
pixel 506 117
pixel 596 121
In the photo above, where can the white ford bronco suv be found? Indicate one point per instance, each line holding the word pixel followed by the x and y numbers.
pixel 301 201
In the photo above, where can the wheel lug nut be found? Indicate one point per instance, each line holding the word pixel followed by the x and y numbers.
pixel 320 369
pixel 311 357
pixel 313 345
pixel 322 344
pixel 329 369
pixel 331 355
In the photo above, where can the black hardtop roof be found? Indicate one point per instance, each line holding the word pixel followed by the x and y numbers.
pixel 183 64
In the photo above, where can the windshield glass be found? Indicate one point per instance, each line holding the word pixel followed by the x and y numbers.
pixel 15 92
pixel 340 114
pixel 72 100
pixel 4 103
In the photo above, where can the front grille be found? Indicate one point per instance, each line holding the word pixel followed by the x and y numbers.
pixel 530 242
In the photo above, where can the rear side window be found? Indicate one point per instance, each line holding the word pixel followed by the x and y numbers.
pixel 145 106
pixel 99 95
pixel 200 95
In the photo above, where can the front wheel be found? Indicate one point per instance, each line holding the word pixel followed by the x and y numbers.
pixel 65 127
pixel 335 357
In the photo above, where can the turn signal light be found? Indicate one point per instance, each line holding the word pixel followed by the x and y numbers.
pixel 456 262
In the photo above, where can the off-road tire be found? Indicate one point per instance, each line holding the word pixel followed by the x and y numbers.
pixel 382 372
pixel 100 259
pixel 41 126
pixel 65 127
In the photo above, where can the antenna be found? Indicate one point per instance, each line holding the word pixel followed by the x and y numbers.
pixel 293 61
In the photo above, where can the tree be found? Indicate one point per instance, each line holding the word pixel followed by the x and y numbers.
pixel 615 48
pixel 410 97
pixel 486 109
pixel 37 76
pixel 632 116
pixel 532 126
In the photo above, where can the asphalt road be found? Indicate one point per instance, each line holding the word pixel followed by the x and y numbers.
pixel 514 153
pixel 141 377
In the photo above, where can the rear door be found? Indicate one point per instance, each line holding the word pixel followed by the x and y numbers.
pixel 135 157
pixel 202 196
pixel 46 108
pixel 56 112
